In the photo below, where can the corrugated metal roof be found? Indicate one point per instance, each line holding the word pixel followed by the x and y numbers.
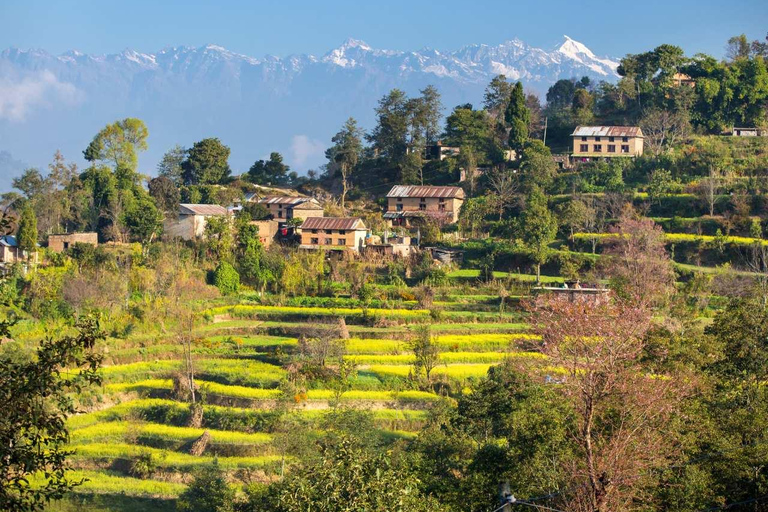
pixel 423 191
pixel 290 200
pixel 347 223
pixel 202 209
pixel 607 131
pixel 9 241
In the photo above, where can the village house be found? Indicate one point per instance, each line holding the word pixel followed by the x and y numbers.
pixel 285 208
pixel 333 233
pixel 267 231
pixel 62 242
pixel 681 79
pixel 440 203
pixel 439 151
pixel 596 142
pixel 9 250
pixel 748 132
pixel 190 223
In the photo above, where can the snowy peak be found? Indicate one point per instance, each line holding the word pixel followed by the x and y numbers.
pixel 349 55
pixel 578 52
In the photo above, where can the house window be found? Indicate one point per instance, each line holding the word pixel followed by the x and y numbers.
pixel 328 231
pixel 584 148
pixel 342 241
pixel 611 148
pixel 342 232
pixel 625 148
pixel 66 245
pixel 399 207
pixel 597 139
pixel 314 231
pixel 583 139
pixel 625 139
pixel 442 199
pixel 423 206
pixel 280 214
pixel 399 199
pixel 598 148
pixel 610 139
pixel 423 199
pixel 314 241
pixel 328 241
pixel 441 207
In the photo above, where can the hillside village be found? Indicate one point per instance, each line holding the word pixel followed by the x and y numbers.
pixel 556 303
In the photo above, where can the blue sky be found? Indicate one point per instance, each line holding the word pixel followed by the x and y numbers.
pixel 283 27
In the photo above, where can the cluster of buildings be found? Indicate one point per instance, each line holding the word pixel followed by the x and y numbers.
pixel 316 231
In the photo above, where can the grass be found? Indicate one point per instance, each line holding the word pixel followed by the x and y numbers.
pixel 683 237
pixel 271 311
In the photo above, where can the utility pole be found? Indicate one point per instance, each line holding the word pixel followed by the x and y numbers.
pixel 505 497
pixel 546 119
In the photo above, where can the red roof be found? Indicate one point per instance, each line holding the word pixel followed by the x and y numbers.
pixel 346 223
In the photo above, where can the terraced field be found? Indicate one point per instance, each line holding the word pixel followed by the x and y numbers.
pixel 240 361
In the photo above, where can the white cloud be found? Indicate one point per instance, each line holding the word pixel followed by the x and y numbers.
pixel 18 97
pixel 305 150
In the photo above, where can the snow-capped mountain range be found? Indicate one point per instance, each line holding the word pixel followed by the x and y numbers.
pixel 292 104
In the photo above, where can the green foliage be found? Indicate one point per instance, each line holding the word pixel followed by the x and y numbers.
pixel 269 172
pixel 537 227
pixel 206 163
pixel 226 279
pixel 119 143
pixel 166 194
pixel 27 235
pixel 208 492
pixel 36 399
pixel 170 165
pixel 517 117
pixel 360 479
pixel 142 219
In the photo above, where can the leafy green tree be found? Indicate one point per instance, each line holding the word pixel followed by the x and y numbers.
pixel 31 183
pixel 142 219
pixel 269 172
pixel 390 135
pixel 560 94
pixel 226 279
pixel 537 228
pixel 425 351
pixel 170 165
pixel 517 117
pixel 118 144
pixel 345 153
pixel 208 492
pixel 425 114
pixel 466 127
pixel 27 235
pixel 536 166
pixel 207 163
pixel 219 238
pixel 165 193
pixel 37 399
pixel 358 478
pixel 581 108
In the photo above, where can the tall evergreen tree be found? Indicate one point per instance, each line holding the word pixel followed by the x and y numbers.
pixel 517 118
pixel 27 235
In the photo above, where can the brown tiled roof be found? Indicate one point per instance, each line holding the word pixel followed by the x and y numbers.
pixel 346 223
pixel 607 131
pixel 201 209
pixel 423 191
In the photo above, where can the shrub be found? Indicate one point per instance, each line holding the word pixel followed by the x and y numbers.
pixel 226 279
pixel 208 492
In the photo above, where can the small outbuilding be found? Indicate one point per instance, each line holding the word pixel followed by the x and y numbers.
pixel 191 220
pixel 62 242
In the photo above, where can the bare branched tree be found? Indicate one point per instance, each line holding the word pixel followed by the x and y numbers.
pixel 504 187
